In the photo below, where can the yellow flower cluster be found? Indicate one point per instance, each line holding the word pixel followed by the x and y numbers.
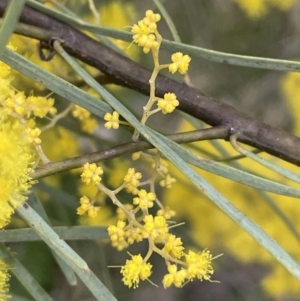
pixel 87 207
pixel 87 123
pixel 198 265
pixel 179 63
pixel 132 181
pixel 17 103
pixel 145 32
pixel 162 168
pixel 167 181
pixel 155 229
pixel 16 160
pixel 146 35
pixel 117 235
pixel 91 173
pixel 22 108
pixel 134 270
pixel 168 103
pixel 132 227
pixel 136 224
pixel 18 135
pixel 166 212
pixel 145 199
pixel 112 120
pixel 33 135
pixel 173 246
pixel 39 106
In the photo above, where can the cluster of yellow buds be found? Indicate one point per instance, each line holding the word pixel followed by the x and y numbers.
pixel 155 230
pixel 161 167
pixel 135 221
pixel 87 207
pixel 168 103
pixel 33 135
pixel 146 35
pixel 17 103
pixel 112 120
pixel 91 173
pixel 24 109
pixel 179 63
pixel 136 224
pixel 88 124
pixel 132 180
pixel 145 32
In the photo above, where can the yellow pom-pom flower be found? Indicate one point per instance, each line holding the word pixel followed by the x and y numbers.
pixel 134 234
pixel 16 160
pixel 132 179
pixel 199 265
pixel 135 270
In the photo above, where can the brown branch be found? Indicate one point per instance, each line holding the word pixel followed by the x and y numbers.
pixel 49 169
pixel 134 76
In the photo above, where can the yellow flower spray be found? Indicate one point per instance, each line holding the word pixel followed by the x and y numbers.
pixel 136 223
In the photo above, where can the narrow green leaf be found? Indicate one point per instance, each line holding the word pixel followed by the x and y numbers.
pixel 11 17
pixel 65 233
pixel 50 237
pixel 35 203
pixel 78 265
pixel 281 215
pixel 231 173
pixel 203 53
pixel 194 51
pixel 168 20
pixel 271 165
pixel 15 297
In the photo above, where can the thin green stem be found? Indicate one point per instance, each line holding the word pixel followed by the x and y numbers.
pixel 152 98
